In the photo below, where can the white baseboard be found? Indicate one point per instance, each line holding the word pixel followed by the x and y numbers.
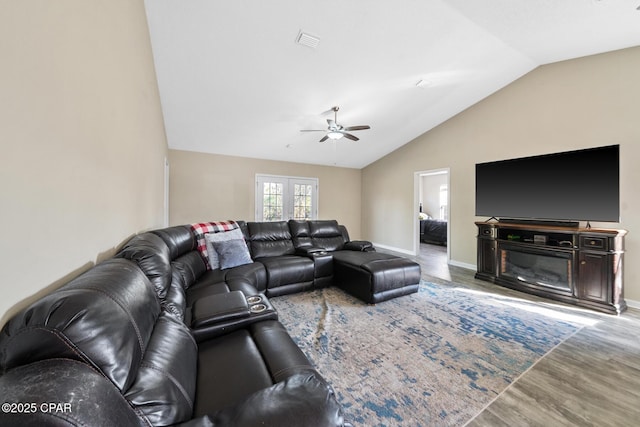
pixel 633 304
pixel 462 265
pixel 411 253
pixel 394 249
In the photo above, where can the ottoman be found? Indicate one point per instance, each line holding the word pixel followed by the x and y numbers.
pixel 373 276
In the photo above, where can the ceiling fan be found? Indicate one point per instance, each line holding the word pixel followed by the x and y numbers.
pixel 336 131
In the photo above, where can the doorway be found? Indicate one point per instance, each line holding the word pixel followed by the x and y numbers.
pixel 432 195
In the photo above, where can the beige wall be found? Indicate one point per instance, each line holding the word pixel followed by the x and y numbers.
pixel 208 187
pixel 82 139
pixel 586 102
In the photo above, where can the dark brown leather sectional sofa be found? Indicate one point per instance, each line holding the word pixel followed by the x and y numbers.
pixel 153 337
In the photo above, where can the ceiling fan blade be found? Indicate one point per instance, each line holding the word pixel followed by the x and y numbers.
pixel 324 138
pixel 313 130
pixel 362 127
pixel 351 137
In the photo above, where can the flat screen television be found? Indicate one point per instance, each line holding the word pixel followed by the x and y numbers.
pixel 582 185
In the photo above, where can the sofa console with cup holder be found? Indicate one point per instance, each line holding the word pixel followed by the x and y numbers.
pixel 177 329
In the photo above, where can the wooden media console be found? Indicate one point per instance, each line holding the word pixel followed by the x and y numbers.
pixel 581 266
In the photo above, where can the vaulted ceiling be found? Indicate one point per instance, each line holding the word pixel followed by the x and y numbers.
pixel 234 80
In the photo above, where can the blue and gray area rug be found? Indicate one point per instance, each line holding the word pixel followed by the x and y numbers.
pixel 434 358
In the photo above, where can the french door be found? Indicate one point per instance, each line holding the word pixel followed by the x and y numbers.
pixel 280 198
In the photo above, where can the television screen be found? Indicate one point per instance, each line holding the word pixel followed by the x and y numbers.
pixel 573 185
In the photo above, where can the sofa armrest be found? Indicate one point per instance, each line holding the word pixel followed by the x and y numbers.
pixel 80 395
pixel 258 308
pixel 308 251
pixel 302 400
pixel 219 308
pixel 359 245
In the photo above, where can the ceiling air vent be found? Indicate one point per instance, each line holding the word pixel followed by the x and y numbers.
pixel 307 40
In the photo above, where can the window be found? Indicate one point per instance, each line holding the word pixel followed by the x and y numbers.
pixel 303 201
pixel 281 198
pixel 272 203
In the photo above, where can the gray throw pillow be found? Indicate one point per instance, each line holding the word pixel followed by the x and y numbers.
pixel 232 253
pixel 218 237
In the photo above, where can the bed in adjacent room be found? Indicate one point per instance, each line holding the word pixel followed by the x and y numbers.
pixel 433 231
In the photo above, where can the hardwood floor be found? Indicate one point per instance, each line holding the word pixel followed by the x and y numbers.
pixel 590 379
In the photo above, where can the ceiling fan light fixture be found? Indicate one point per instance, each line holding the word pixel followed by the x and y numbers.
pixel 335 135
pixel 336 131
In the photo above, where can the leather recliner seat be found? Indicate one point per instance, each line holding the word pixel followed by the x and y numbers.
pixel 272 246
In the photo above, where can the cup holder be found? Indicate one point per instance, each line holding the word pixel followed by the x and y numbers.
pixel 254 299
pixel 258 308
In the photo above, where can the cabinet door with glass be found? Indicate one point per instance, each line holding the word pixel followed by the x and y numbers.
pixel 280 198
